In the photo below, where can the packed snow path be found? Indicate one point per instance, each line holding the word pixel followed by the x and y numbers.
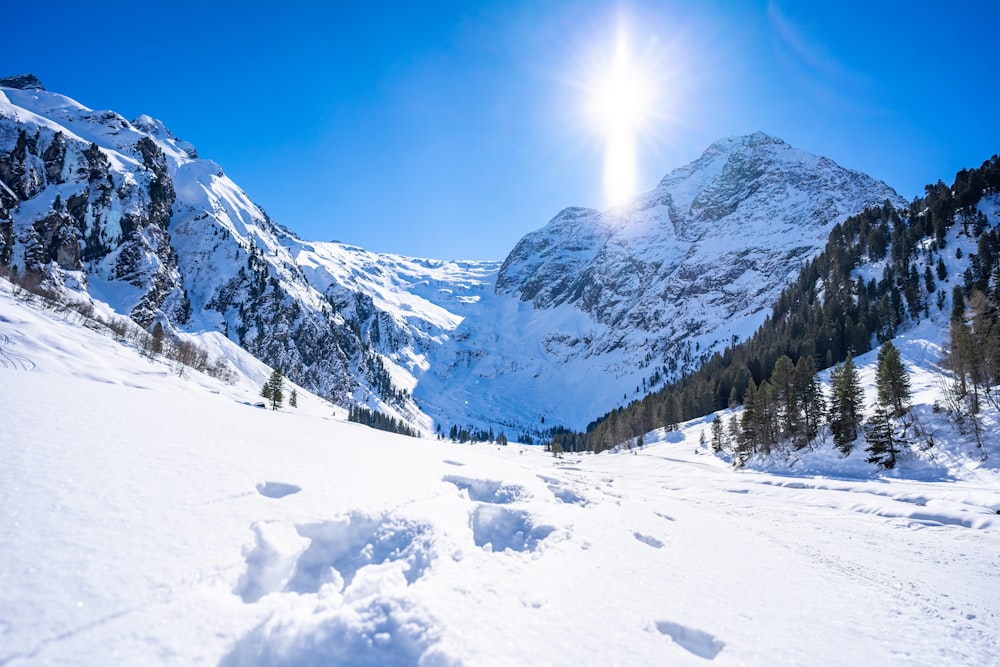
pixel 172 527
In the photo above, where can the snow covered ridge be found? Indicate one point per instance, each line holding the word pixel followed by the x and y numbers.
pixel 127 214
pixel 586 313
pixel 159 519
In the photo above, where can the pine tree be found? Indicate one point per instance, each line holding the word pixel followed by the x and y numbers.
pixel 717 441
pixel 810 395
pixel 785 396
pixel 293 399
pixel 272 390
pixel 733 431
pixel 881 444
pixel 845 404
pixel 891 380
pixel 749 437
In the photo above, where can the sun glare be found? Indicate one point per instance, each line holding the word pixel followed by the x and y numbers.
pixel 620 106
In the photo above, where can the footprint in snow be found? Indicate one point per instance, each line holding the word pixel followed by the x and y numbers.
pixel 277 489
pixel 648 539
pixel 700 643
pixel 487 490
pixel 342 581
pixel 563 492
pixel 497 528
pixel 356 552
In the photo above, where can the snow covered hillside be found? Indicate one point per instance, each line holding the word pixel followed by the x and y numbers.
pixel 153 518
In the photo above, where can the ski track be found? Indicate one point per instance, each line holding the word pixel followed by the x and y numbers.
pixel 11 361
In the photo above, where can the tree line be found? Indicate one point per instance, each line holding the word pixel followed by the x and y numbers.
pixel 788 411
pixel 381 421
pixel 472 435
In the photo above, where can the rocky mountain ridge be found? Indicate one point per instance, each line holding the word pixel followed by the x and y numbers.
pixel 126 213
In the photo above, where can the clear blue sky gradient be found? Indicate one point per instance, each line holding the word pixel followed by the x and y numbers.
pixel 449 130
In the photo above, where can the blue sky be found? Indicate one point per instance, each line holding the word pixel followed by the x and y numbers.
pixel 450 130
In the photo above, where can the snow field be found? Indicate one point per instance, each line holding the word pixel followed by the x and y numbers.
pixel 147 518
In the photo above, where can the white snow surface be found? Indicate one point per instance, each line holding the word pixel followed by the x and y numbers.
pixel 148 518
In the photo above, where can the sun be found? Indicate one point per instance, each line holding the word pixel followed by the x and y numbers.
pixel 620 93
pixel 619 107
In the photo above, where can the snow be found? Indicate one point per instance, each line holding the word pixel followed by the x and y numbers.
pixel 154 517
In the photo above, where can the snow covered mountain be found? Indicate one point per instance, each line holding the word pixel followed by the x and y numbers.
pixel 592 309
pixel 127 213
pixel 598 307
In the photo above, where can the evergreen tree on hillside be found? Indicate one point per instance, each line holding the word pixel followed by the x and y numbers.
pixel 749 432
pixel 891 380
pixel 810 397
pixel 717 439
pixel 272 390
pixel 156 343
pixel 881 443
pixel 846 400
pixel 785 396
pixel 377 420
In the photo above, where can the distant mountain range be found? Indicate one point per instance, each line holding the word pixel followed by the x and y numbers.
pixel 592 310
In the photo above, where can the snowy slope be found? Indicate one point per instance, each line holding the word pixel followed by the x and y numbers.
pixel 161 520
pixel 405 308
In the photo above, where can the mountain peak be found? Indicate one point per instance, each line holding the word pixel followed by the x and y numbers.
pixel 734 143
pixel 22 81
pixel 755 139
pixel 156 128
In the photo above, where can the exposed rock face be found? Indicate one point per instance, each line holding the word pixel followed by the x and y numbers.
pixel 22 82
pixel 81 212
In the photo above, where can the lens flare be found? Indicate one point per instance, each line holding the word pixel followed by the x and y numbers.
pixel 620 166
pixel 620 106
